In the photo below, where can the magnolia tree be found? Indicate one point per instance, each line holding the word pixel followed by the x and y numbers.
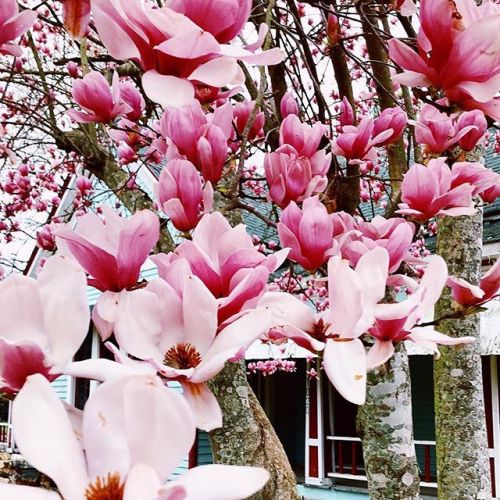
pixel 146 131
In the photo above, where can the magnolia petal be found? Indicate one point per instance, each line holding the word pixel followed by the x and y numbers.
pixel 216 72
pixel 345 365
pixel 63 292
pixel 136 420
pixel 142 483
pixel 26 492
pixel 233 341
pixel 167 90
pixel 105 369
pixel 428 334
pixel 379 353
pixel 49 428
pixel 223 482
pixel 17 295
pixel 204 405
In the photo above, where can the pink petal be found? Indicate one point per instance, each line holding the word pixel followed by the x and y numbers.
pixel 216 72
pixel 63 292
pixel 48 428
pixel 490 282
pixel 429 291
pixel 118 42
pixel 76 17
pixel 99 263
pixel 345 366
pixel 138 325
pixel 26 492
pixel 105 369
pixel 136 420
pixel 189 45
pixel 142 483
pixel 428 338
pixel 223 482
pixel 287 309
pixel 379 353
pixel 463 292
pixel 17 295
pixel 203 404
pixel 19 361
pixel 345 294
pixel 167 90
pixel 199 313
pixel 406 57
pixel 137 237
pixel 232 341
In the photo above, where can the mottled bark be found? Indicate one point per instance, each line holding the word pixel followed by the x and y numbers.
pixel 247 437
pixel 386 429
pixel 462 451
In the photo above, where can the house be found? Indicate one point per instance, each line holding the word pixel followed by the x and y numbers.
pixel 321 440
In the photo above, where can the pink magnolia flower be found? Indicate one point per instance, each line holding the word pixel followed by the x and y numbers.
pixel 43 322
pixel 45 238
pixel 353 295
pixel 470 295
pixel 112 250
pixel 101 103
pixel 133 433
pixel 485 182
pixel 76 15
pixel 133 98
pixel 457 52
pixel 226 260
pixel 333 30
pixel 242 112
pixel 356 143
pixel 474 119
pixel 201 138
pixel 406 7
pixel 426 192
pixel 398 322
pixel 394 119
pixel 437 130
pixel 288 105
pixel 173 51
pixel 294 178
pixel 180 195
pixel 308 232
pixel 12 25
pixel 178 333
pixel 356 238
pixel 302 137
pixel 207 16
pixel 346 116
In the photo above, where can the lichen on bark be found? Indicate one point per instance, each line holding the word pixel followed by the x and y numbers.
pixel 386 430
pixel 462 449
pixel 247 437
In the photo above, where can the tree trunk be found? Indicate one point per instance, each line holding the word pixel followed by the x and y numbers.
pixel 247 437
pixel 385 425
pixel 462 449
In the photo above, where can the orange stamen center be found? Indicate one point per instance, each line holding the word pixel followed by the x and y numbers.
pixel 182 356
pixel 105 488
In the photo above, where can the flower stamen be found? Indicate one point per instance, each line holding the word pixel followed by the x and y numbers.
pixel 105 488
pixel 182 356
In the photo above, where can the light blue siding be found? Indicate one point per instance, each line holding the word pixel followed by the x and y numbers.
pixel 61 387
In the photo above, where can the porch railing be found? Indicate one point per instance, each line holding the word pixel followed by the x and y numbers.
pixel 6 440
pixel 347 459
